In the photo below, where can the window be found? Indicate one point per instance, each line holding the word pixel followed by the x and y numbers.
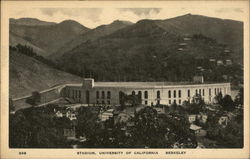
pixel 97 94
pixel 209 91
pixel 203 92
pixel 174 93
pixel 87 97
pixel 97 102
pixel 175 101
pixel 179 101
pixel 169 101
pixel 76 93
pixel 215 91
pixel 188 93
pixel 146 102
pixel 199 91
pixel 179 93
pixel 158 102
pixel 133 92
pixel 108 102
pixel 139 97
pixel 139 94
pixel 196 92
pixel 108 95
pixel 80 94
pixel 103 102
pixel 146 94
pixel 158 94
pixel 218 90
pixel 103 94
pixel 169 94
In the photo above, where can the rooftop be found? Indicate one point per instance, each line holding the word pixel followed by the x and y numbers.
pixel 194 127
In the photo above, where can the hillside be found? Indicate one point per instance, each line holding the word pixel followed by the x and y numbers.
pixel 91 35
pixel 47 37
pixel 149 51
pixel 27 74
pixel 228 32
pixel 15 40
pixel 30 22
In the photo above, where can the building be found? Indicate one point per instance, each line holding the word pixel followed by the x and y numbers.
pixel 229 62
pixel 198 131
pixel 220 63
pixel 150 93
pixel 192 118
pixel 106 115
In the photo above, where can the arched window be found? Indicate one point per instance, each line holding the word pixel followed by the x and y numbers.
pixel 103 94
pixel 139 94
pixel 133 93
pixel 199 91
pixel 146 94
pixel 158 102
pixel 179 93
pixel 80 94
pixel 75 93
pixel 87 97
pixel 97 94
pixel 210 91
pixel 203 92
pixel 169 94
pixel 188 93
pixel 108 95
pixel 158 94
pixel 179 101
pixel 174 93
pixel 215 91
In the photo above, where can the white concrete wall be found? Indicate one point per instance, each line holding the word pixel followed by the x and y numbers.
pixel 73 93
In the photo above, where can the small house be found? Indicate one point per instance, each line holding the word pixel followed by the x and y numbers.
pixel 197 130
pixel 220 63
pixel 191 118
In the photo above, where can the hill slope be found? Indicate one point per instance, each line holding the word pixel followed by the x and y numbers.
pixel 91 35
pixel 30 22
pixel 152 50
pixel 228 32
pixel 15 40
pixel 47 37
pixel 27 74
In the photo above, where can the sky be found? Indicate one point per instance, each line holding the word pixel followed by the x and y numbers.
pixel 93 17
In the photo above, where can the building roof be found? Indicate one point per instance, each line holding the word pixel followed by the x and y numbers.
pixel 194 127
pixel 149 84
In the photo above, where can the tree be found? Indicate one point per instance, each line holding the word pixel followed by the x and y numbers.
pixel 161 131
pixel 35 127
pixel 87 122
pixel 34 99
pixel 227 103
pixel 218 98
pixel 146 132
pixel 239 100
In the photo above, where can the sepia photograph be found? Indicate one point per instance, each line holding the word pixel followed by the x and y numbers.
pixel 136 77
